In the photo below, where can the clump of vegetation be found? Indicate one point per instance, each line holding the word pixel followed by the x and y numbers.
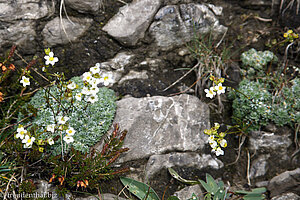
pixel 90 120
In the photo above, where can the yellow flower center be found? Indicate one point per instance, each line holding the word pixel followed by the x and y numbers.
pixel 220 87
pixel 22 132
pixel 51 58
pixel 106 78
pixel 29 140
pixel 26 80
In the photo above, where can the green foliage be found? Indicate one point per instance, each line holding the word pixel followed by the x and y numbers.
pixel 139 189
pixel 215 190
pixel 255 194
pixel 90 121
pixel 254 106
pixel 257 60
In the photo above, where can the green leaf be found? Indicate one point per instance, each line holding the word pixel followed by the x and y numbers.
pixel 259 190
pixel 139 189
pixel 206 186
pixel 173 198
pixel 179 178
pixel 254 197
pixel 212 184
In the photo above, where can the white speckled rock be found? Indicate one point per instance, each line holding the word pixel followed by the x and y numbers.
pixel 162 124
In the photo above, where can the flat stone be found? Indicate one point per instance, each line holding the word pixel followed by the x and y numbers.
pixel 192 159
pixel 187 192
pixel 21 33
pixel 287 196
pixel 162 124
pixel 266 142
pixel 175 25
pixel 25 10
pixel 54 34
pixel 86 6
pixel 131 22
pixel 287 181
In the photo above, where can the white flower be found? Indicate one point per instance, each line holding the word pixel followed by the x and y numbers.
pixel 70 131
pixel 21 132
pixel 50 141
pixel 62 120
pixel 223 143
pixel 50 128
pixel 220 88
pixel 95 81
pixel 218 151
pixel 28 141
pixel 95 69
pixel 78 96
pixel 25 81
pixel 86 91
pixel 72 86
pixel 50 59
pixel 94 91
pixel 68 139
pixel 213 144
pixel 93 99
pixel 87 76
pixel 106 79
pixel 211 139
pixel 210 92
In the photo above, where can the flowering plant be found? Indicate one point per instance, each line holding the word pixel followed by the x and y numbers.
pixel 74 113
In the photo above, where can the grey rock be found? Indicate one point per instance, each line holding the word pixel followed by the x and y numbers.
pixel 21 33
pixel 287 181
pixel 192 159
pixel 162 124
pixel 86 6
pixel 171 2
pixel 175 25
pixel 131 22
pixel 105 196
pixel 24 10
pixel 46 190
pixel 134 75
pixel 54 34
pixel 259 166
pixel 187 192
pixel 266 142
pixel 287 196
pixel 116 66
pixel 262 184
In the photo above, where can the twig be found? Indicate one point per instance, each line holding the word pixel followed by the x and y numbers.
pixel 61 19
pixel 248 168
pixel 7 186
pixel 122 2
pixel 262 19
pixel 221 39
pixel 182 77
pixel 240 147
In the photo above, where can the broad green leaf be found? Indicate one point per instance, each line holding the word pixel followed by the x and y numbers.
pixel 212 184
pixel 259 190
pixel 175 175
pixel 207 196
pixel 173 198
pixel 206 186
pixel 254 197
pixel 139 189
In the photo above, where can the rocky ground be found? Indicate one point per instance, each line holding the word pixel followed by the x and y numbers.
pixel 142 43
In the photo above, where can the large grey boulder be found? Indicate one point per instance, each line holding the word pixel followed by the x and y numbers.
pixel 21 33
pixel 259 166
pixel 131 22
pixel 287 181
pixel 175 25
pixel 54 33
pixel 160 124
pixel 86 6
pixel 24 10
pixel 188 159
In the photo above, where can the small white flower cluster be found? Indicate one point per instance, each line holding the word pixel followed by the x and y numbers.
pixel 25 81
pixel 61 121
pixel 212 91
pixel 91 80
pixel 25 137
pixel 216 140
